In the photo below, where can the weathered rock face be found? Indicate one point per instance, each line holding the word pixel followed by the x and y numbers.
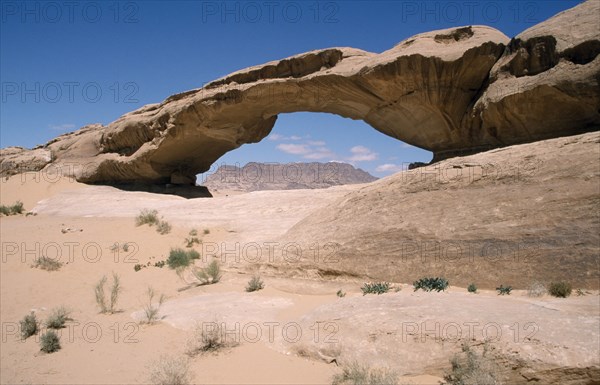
pixel 548 79
pixel 445 91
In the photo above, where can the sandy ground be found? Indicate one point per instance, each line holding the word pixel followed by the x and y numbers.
pixel 78 224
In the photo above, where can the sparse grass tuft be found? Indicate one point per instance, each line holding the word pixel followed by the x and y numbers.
pixel 170 371
pixel 472 368
pixel 357 374
pixel 210 274
pixel 429 284
pixel 14 209
pixel 375 287
pixel 255 284
pixel 46 263
pixel 340 293
pixel 207 337
pixel 151 310
pixel 114 294
pixel 536 289
pixel 560 289
pixel 472 288
pixel 163 227
pixel 206 231
pixel 504 290
pixel 29 325
pixel 58 318
pixel 192 239
pixel 49 342
pixel 147 217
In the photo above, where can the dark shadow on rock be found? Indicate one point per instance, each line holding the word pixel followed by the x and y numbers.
pixel 184 191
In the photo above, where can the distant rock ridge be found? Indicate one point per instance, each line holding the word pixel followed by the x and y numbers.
pixel 256 176
pixel 454 92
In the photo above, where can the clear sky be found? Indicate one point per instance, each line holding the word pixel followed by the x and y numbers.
pixel 65 64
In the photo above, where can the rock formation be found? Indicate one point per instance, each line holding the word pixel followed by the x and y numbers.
pixel 453 91
pixel 290 176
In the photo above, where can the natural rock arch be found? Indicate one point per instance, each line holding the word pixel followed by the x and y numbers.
pixel 454 91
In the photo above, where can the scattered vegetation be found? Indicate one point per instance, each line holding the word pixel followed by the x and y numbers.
pixel 560 289
pixel 255 284
pixel 356 374
pixel 192 239
pixel 472 288
pixel 472 368
pixel 375 287
pixel 14 209
pixel 114 294
pixel 206 231
pixel 429 284
pixel 340 293
pixel 159 264
pixel 46 263
pixel 163 227
pixel 58 318
pixel 536 289
pixel 125 247
pixel 151 309
pixel 210 274
pixel 138 267
pixel 150 218
pixel 29 325
pixel 181 258
pixel 207 337
pixel 49 342
pixel 504 290
pixel 170 371
pixel 581 293
pixel 147 217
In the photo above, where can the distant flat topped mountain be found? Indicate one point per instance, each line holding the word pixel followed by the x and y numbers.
pixel 288 176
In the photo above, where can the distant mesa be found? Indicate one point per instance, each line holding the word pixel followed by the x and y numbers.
pixel 453 92
pixel 289 176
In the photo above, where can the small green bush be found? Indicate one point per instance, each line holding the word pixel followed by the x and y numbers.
pixel 560 289
pixel 429 284
pixel 29 325
pixel 181 258
pixel 58 318
pixel 46 263
pixel 210 274
pixel 14 209
pixel 357 374
pixel 340 293
pixel 504 290
pixel 472 288
pixel 138 267
pixel 375 287
pixel 49 342
pixel 163 227
pixel 147 217
pixel 255 284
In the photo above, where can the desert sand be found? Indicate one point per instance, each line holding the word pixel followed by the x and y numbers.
pixel 415 334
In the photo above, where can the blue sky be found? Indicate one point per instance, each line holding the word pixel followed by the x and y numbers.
pixel 65 64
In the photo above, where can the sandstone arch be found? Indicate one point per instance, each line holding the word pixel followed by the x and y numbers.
pixel 451 92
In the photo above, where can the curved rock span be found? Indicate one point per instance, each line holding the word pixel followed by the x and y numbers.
pixel 452 92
